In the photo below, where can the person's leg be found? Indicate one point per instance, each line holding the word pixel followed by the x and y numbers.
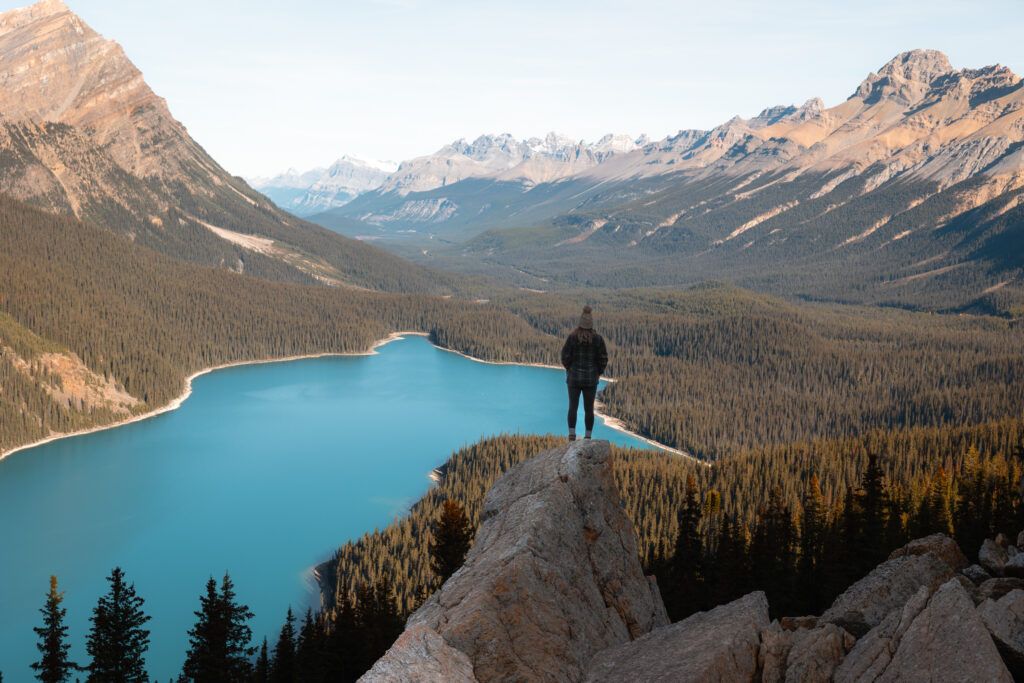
pixel 574 406
pixel 588 408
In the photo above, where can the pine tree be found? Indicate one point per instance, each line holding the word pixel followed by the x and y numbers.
pixel 261 672
pixel 812 546
pixel 309 665
pixel 117 640
pixel 282 668
pixel 53 665
pixel 219 642
pixel 452 538
pixel 685 572
pixel 938 503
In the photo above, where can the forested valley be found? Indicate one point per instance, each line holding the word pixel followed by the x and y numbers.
pixel 707 369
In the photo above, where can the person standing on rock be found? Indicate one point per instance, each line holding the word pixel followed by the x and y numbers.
pixel 585 357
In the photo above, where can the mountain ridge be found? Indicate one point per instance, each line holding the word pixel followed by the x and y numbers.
pixel 916 179
pixel 81 133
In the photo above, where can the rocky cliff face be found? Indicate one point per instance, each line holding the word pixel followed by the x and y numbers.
pixel 82 133
pixel 552 590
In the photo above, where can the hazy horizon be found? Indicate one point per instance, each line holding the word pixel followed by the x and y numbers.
pixel 265 88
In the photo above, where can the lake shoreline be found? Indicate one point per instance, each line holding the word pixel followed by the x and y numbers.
pixel 176 402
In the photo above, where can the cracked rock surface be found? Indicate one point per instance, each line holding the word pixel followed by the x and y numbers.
pixel 553 577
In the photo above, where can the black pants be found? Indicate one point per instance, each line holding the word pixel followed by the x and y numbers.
pixel 588 406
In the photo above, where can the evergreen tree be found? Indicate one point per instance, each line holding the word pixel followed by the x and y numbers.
pixel 309 665
pixel 53 665
pixel 938 505
pixel 685 571
pixel 731 575
pixel 812 546
pixel 117 640
pixel 219 642
pixel 282 668
pixel 261 672
pixel 452 538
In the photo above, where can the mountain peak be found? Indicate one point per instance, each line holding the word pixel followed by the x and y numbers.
pixel 21 16
pixel 922 66
pixel 906 78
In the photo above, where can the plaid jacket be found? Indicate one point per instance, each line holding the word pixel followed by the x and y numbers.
pixel 584 363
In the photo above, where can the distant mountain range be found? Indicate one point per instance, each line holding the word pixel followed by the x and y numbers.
pixel 321 189
pixel 910 187
pixel 498 157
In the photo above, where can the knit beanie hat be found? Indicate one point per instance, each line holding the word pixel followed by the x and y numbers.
pixel 587 320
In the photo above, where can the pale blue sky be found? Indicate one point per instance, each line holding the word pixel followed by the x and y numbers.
pixel 269 85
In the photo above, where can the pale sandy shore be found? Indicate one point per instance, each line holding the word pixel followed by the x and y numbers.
pixel 175 403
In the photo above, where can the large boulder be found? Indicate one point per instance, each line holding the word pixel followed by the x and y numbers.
pixel 719 645
pixel 553 577
pixel 947 641
pixel 1004 619
pixel 941 545
pixel 868 602
pixel 992 557
pixel 421 655
pixel 937 636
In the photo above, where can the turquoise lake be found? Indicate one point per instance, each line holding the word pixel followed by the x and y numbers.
pixel 263 472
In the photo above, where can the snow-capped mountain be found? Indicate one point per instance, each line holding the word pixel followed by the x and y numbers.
pixel 503 157
pixel 320 189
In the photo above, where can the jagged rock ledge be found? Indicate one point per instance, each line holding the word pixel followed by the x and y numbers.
pixel 553 590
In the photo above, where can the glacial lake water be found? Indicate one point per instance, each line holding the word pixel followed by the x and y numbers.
pixel 263 471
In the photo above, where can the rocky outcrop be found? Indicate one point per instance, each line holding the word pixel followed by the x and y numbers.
pixel 867 603
pixel 420 655
pixel 718 645
pixel 553 576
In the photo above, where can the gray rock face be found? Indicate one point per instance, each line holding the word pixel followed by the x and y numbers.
pixel 1004 619
pixel 421 655
pixel 992 557
pixel 977 574
pixel 996 588
pixel 937 636
pixel 868 602
pixel 941 545
pixel 719 645
pixel 553 576
pixel 971 589
pixel 816 654
pixel 947 641
pixel 776 643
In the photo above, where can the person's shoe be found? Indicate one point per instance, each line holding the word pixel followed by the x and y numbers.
pixel 572 437
pixel 587 436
